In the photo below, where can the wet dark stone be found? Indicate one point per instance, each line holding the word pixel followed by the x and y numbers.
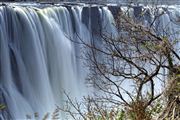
pixel 137 12
pixel 86 15
pixel 114 10
pixel 147 16
pixel 72 18
pixel 91 18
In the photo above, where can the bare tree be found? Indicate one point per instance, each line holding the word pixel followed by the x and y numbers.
pixel 136 57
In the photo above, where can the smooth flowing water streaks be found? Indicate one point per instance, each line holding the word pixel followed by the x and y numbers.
pixel 37 51
pixel 108 23
pixel 81 34
pixel 60 57
pixel 12 95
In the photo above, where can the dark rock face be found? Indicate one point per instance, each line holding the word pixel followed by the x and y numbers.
pixel 147 16
pixel 91 18
pixel 114 10
pixel 137 11
pixel 72 18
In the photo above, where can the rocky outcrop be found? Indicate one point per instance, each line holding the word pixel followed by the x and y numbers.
pixel 4 112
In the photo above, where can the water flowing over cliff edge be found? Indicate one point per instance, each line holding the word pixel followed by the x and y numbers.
pixel 38 60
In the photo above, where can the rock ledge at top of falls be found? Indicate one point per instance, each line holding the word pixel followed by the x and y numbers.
pixel 90 3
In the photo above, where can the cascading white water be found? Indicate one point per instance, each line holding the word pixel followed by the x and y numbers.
pixel 39 57
pixel 108 22
pixel 34 43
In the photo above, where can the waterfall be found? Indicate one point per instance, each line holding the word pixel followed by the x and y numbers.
pixel 39 57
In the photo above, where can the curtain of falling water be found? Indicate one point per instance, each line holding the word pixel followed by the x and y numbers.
pixel 37 59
